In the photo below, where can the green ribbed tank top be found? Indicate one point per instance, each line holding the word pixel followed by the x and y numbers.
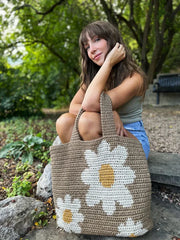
pixel 131 111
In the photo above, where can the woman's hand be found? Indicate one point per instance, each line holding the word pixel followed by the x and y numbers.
pixel 121 131
pixel 116 55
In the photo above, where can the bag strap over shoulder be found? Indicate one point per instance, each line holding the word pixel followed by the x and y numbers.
pixel 107 118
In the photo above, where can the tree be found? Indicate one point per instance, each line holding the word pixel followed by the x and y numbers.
pixel 48 31
pixel 153 32
pixel 45 40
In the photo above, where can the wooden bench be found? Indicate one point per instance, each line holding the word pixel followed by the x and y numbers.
pixel 168 83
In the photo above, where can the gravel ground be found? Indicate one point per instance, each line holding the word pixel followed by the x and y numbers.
pixel 162 126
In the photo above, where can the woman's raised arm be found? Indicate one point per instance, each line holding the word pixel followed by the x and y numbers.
pixel 91 102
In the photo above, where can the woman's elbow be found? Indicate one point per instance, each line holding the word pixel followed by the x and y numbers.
pixel 71 109
pixel 90 107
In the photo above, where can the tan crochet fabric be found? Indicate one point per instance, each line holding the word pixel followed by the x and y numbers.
pixel 103 186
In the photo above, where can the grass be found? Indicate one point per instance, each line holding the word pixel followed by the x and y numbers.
pixel 15 129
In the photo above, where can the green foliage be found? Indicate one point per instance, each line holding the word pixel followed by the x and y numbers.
pixel 38 175
pixel 40 219
pixel 17 128
pixel 17 95
pixel 25 149
pixel 22 135
pixel 42 155
pixel 40 53
pixel 19 187
pixel 48 61
pixel 173 60
pixel 27 175
pixel 22 167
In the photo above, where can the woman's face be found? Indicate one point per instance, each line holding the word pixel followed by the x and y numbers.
pixel 97 49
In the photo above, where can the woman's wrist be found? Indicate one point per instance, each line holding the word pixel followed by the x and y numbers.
pixel 108 63
pixel 74 109
pixel 115 113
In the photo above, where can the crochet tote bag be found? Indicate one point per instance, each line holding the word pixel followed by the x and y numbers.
pixel 101 187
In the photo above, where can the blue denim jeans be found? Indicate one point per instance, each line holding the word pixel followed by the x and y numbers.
pixel 137 129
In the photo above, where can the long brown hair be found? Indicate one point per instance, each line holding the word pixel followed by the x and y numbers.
pixel 120 71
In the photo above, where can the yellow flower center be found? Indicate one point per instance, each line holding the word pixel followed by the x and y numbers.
pixel 132 235
pixel 67 216
pixel 106 175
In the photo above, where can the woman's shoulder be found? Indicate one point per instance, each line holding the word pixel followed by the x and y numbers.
pixel 133 84
pixel 135 78
pixel 138 78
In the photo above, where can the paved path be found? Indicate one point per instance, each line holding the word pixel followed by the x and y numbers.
pixel 166 219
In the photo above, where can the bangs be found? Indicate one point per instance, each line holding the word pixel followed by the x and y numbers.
pixel 92 30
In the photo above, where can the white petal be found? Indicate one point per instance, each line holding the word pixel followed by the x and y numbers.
pixel 78 217
pixel 60 202
pixel 67 199
pixel 125 197
pixel 60 222
pixel 109 207
pixel 67 227
pixel 58 213
pixel 90 176
pixel 90 157
pixel 130 223
pixel 92 197
pixel 142 232
pixel 120 154
pixel 103 147
pixel 75 227
pixel 124 175
pixel 76 204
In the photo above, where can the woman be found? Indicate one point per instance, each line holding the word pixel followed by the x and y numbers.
pixel 106 66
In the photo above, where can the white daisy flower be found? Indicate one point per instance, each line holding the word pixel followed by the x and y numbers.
pixel 130 229
pixel 107 177
pixel 67 214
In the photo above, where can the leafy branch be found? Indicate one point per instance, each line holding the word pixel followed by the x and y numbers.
pixel 38 12
pixel 50 48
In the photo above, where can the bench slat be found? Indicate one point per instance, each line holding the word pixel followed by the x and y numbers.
pixel 167 83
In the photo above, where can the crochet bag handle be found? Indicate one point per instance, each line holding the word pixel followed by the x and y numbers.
pixel 107 119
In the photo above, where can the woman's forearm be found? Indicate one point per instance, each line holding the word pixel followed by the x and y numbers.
pixel 91 99
pixel 74 108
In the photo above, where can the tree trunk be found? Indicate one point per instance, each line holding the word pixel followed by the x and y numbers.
pixel 163 32
pixel 145 48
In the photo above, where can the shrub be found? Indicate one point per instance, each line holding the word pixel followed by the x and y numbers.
pixel 25 149
pixel 19 187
